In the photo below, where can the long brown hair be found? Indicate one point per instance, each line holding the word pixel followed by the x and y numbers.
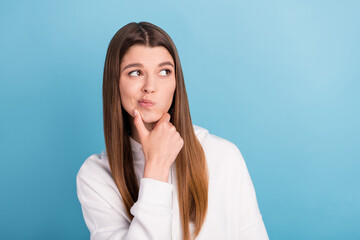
pixel 191 168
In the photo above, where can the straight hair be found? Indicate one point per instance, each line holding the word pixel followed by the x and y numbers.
pixel 191 168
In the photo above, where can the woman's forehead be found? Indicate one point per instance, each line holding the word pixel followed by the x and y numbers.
pixel 146 55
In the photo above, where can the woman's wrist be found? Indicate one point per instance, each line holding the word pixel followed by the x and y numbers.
pixel 157 173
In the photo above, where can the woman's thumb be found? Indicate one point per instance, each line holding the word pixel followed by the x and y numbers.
pixel 140 127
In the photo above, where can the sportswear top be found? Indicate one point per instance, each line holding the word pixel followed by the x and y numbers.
pixel 232 213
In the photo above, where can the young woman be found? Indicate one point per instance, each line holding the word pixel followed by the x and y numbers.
pixel 161 177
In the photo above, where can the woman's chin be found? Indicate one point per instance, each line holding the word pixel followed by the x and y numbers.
pixel 151 119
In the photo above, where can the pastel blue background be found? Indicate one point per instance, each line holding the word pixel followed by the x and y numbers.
pixel 280 79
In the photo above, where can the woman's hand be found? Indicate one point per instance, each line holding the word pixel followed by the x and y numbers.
pixel 160 146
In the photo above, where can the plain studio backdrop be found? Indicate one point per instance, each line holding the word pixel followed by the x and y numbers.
pixel 280 79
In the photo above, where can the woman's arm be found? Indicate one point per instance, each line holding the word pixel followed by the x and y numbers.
pixel 247 216
pixel 105 215
pixel 106 218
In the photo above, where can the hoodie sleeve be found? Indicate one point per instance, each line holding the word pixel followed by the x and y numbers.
pixel 244 214
pixel 105 215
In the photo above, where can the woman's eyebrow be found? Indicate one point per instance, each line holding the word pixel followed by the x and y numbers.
pixel 140 65
pixel 166 63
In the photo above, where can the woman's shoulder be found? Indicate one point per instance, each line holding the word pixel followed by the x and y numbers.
pixel 217 148
pixel 94 181
pixel 96 169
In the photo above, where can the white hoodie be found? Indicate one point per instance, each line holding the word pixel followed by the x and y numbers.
pixel 232 213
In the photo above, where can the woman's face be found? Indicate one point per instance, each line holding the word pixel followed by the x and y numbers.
pixel 147 73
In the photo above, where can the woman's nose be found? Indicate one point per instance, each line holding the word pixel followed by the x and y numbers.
pixel 150 83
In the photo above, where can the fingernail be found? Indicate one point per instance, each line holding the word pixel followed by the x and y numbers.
pixel 135 112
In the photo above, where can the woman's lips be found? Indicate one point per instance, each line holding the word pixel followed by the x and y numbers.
pixel 146 103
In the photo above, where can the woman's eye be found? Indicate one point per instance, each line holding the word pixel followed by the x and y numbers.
pixel 165 72
pixel 135 73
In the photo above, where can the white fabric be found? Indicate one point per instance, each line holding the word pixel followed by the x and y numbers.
pixel 233 211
